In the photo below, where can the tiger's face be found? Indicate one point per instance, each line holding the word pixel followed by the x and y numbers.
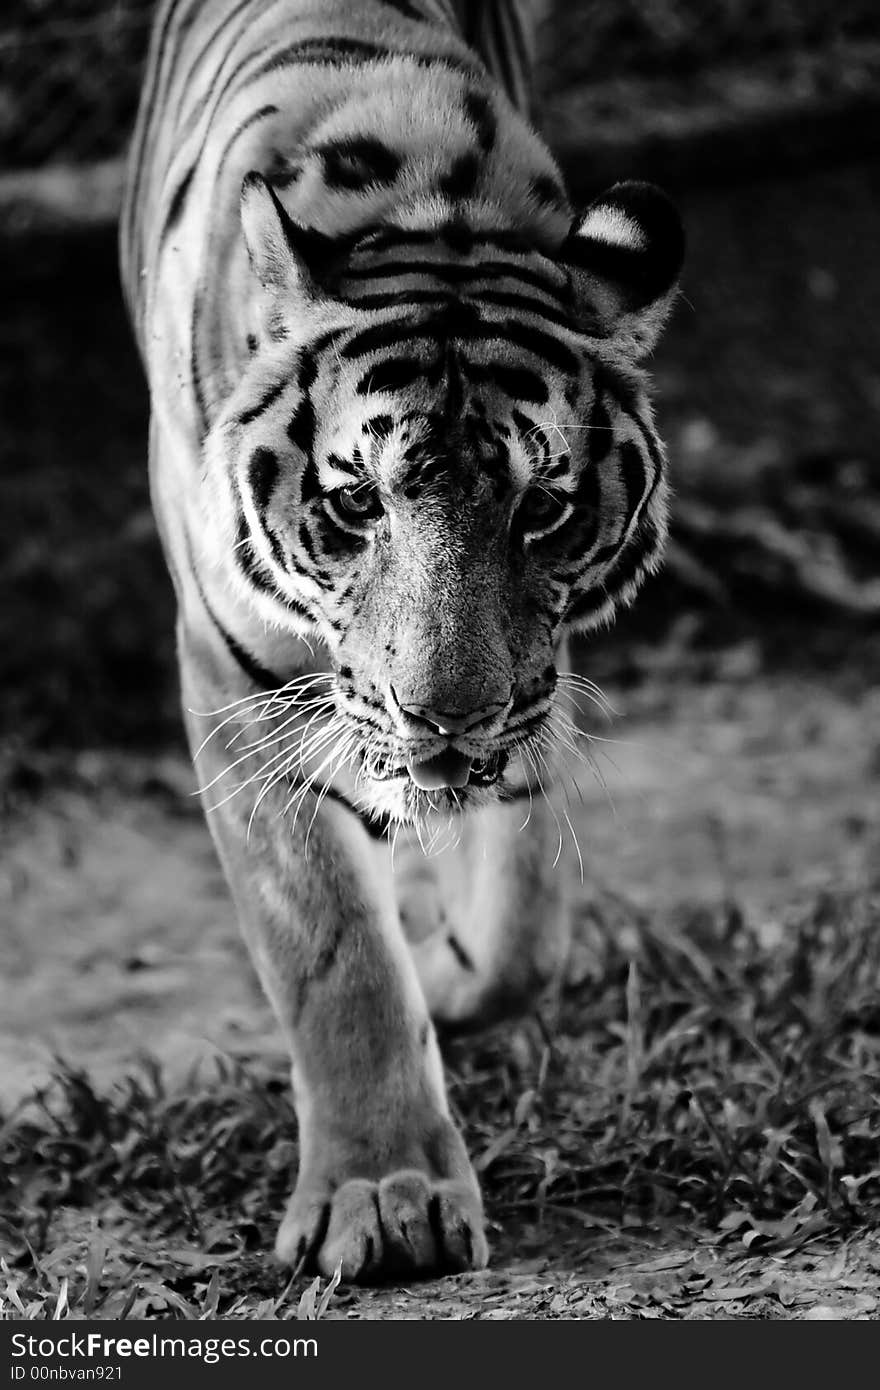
pixel 443 458
pixel 445 545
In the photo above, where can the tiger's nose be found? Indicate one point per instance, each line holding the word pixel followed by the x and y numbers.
pixel 449 722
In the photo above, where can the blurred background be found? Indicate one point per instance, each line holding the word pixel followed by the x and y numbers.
pixel 763 120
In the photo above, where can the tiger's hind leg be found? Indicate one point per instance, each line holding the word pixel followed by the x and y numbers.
pixel 490 934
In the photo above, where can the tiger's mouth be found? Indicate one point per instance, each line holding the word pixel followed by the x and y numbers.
pixel 448 769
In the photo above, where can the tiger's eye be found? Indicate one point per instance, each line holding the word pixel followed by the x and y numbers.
pixel 541 510
pixel 357 503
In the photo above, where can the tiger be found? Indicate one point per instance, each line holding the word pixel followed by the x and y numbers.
pixel 400 448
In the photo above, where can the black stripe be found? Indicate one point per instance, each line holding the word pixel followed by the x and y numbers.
pixel 309 361
pixel 389 299
pixel 584 605
pixel 555 314
pixel 260 675
pixel 460 179
pixel 175 207
pixel 301 430
pixel 248 559
pixel 442 303
pixel 376 823
pixel 337 51
pixel 207 100
pixel 478 109
pixel 543 345
pixel 379 426
pixel 453 274
pixel 329 50
pixel 263 404
pixel 251 120
pixel 457 234
pixel 625 397
pixel 250 563
pixel 212 40
pixel 195 370
pixel 632 467
pixel 547 191
pixel 601 435
pixel 381 336
pixel 406 10
pixel 623 391
pixel 655 456
pixel 275 546
pixel 555 469
pixel 514 242
pixel 359 162
pixel 379 239
pixel 310 489
pixel 343 465
pixel 324 960
pixel 466 324
pixel 518 382
pixel 608 552
pixel 262 477
pixel 588 503
pixel 335 540
pixel 393 374
pixel 152 108
pixel 632 559
pixel 308 545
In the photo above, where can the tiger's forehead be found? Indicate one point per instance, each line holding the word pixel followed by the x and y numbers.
pixel 415 453
pixel 506 333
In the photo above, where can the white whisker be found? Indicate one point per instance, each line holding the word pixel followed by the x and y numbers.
pixel 529 786
pixel 576 845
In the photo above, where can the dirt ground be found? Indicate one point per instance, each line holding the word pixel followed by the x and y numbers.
pixel 123 942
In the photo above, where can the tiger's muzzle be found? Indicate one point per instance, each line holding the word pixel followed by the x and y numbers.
pixel 462 759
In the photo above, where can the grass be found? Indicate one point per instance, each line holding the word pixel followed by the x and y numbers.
pixel 705 1067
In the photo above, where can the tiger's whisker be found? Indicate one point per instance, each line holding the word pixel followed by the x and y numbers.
pixel 576 845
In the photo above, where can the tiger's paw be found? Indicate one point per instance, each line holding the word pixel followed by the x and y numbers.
pixel 404 1224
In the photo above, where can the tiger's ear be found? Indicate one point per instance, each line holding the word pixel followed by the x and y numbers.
pixel 283 256
pixel 627 249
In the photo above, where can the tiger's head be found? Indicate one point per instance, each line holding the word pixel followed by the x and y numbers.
pixel 442 458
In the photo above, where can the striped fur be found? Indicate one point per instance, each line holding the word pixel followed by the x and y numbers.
pixel 401 446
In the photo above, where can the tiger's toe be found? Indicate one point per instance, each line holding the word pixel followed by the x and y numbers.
pixel 405 1224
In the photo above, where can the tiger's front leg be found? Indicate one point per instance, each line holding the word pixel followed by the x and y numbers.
pixel 490 919
pixel 384 1184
